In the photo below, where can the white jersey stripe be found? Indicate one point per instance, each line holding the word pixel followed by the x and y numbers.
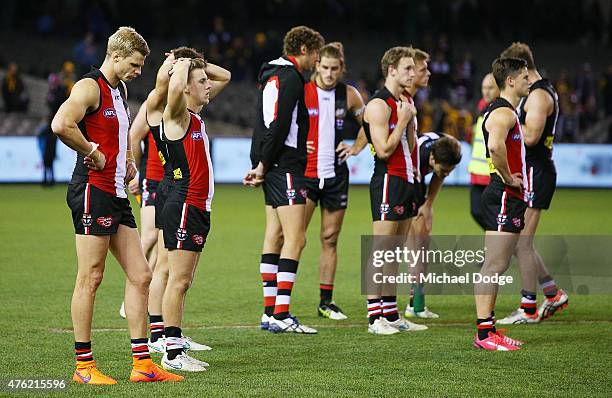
pixel 124 124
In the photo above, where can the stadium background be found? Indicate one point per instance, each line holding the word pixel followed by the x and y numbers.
pixel 572 46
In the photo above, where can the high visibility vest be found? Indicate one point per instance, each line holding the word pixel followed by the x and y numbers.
pixel 478 165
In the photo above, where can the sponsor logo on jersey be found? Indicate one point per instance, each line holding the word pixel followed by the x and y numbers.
pixel 501 219
pixel 384 208
pixel 313 112
pixel 105 221
pixel 399 209
pixel 86 220
pixel 291 194
pixel 109 113
pixel 196 135
pixel 145 195
pixel 339 123
pixel 198 239
pixel 529 195
pixel 181 234
pixel 162 159
pixel 178 174
pixel 340 112
pixel 516 137
pixel 391 127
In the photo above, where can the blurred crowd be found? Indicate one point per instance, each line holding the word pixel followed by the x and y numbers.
pixel 239 44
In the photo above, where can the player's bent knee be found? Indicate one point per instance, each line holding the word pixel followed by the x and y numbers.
pixel 90 280
pixel 330 239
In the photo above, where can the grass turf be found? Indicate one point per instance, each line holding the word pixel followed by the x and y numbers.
pixel 566 356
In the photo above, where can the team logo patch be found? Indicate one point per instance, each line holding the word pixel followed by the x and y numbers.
pixel 105 221
pixel 291 194
pixel 198 239
pixel 86 220
pixel 501 219
pixel 517 222
pixel 196 135
pixel 109 113
pixel 399 209
pixel 304 192
pixel 384 208
pixel 181 234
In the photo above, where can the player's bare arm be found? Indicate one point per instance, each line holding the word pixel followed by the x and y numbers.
pixel 219 78
pixel 356 107
pixel 539 106
pixel 377 114
pixel 498 124
pixel 84 97
pixel 176 116
pixel 156 100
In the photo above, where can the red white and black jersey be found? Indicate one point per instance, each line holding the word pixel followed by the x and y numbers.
pixel 281 125
pixel 326 112
pixel 192 166
pixel 107 126
pixel 541 152
pixel 150 166
pixel 162 152
pixel 515 146
pixel 399 163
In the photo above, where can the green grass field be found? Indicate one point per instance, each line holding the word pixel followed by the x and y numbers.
pixel 570 355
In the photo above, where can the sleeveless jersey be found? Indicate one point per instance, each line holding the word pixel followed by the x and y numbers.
pixel 542 151
pixel 151 164
pixel 515 146
pixel 399 164
pixel 192 166
pixel 107 126
pixel 326 112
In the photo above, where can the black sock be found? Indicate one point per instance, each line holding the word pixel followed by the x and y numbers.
pixel 326 293
pixel 83 351
pixel 374 310
pixel 287 268
pixel 528 302
pixel 389 308
pixel 174 341
pixel 157 327
pixel 484 327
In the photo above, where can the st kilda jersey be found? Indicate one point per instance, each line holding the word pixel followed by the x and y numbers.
pixel 281 124
pixel 515 146
pixel 399 163
pixel 150 166
pixel 162 152
pixel 326 111
pixel 424 146
pixel 107 126
pixel 192 167
pixel 542 151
